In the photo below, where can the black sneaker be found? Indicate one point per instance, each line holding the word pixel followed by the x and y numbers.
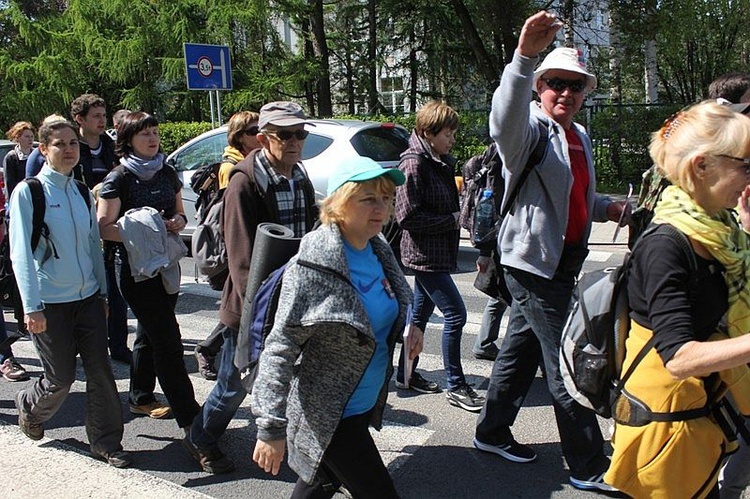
pixel 595 482
pixel 206 366
pixel 118 458
pixel 210 460
pixel 512 451
pixel 466 398
pixel 419 384
pixel 489 353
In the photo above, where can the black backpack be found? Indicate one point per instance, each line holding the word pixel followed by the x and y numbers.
pixel 9 294
pixel 205 183
pixel 484 171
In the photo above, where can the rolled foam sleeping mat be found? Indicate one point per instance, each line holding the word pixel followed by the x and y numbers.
pixel 274 246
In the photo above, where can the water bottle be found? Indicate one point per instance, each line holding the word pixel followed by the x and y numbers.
pixel 484 216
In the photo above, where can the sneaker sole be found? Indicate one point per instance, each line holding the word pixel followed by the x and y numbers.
pixel 484 356
pixel 589 485
pixel 116 462
pixel 494 449
pixel 402 386
pixel 13 380
pixel 463 406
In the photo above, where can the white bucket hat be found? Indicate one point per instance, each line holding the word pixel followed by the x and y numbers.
pixel 568 59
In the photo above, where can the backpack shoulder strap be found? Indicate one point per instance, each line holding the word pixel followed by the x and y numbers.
pixel 534 159
pixel 84 190
pixel 39 208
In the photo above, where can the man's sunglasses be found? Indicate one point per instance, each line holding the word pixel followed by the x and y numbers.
pixel 284 135
pixel 253 130
pixel 559 85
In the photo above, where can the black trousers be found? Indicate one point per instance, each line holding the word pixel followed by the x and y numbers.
pixel 157 348
pixel 352 459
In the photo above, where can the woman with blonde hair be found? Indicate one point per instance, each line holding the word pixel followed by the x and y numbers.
pixel 690 312
pixel 323 376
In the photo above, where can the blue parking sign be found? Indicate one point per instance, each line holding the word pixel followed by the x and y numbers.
pixel 208 67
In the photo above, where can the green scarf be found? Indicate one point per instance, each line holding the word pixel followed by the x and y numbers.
pixel 723 237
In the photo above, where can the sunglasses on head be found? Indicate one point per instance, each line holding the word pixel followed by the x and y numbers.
pixel 253 130
pixel 558 84
pixel 285 135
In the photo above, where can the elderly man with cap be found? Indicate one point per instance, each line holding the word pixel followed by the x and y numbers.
pixel 542 244
pixel 268 185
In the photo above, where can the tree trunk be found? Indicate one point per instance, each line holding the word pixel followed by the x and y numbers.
pixel 413 71
pixel 486 65
pixel 373 101
pixel 320 50
pixel 651 78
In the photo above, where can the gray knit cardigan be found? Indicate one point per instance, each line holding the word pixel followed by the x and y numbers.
pixel 319 348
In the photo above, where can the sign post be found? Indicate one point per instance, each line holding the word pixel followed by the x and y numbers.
pixel 209 67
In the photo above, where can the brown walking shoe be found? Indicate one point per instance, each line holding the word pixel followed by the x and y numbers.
pixel 31 430
pixel 154 410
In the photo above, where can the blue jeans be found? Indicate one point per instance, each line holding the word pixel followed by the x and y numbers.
pixel 490 329
pixel 223 401
pixel 438 289
pixel 536 320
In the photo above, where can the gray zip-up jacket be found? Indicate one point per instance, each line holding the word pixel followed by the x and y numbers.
pixel 151 248
pixel 319 348
pixel 532 236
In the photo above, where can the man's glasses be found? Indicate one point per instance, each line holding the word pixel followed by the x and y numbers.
pixel 559 85
pixel 253 130
pixel 284 135
pixel 745 161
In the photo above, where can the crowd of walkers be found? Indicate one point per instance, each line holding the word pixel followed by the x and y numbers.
pixel 345 303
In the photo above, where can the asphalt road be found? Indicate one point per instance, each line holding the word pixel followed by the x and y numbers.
pixel 426 443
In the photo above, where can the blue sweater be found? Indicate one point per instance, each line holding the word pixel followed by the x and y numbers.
pixel 78 270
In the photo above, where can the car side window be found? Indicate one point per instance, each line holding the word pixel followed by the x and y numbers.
pixel 314 145
pixel 203 152
pixel 381 144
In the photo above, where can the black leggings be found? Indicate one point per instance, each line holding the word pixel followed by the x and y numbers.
pixel 352 459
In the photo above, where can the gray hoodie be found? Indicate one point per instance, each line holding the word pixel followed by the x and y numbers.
pixel 319 348
pixel 532 236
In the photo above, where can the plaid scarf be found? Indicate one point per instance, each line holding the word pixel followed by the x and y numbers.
pixel 289 195
pixel 723 237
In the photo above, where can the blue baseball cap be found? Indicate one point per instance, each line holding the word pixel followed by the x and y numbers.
pixel 359 169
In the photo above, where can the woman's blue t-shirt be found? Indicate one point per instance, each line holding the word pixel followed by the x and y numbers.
pixel 369 279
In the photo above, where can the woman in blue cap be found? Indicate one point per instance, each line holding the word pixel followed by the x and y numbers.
pixel 323 376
